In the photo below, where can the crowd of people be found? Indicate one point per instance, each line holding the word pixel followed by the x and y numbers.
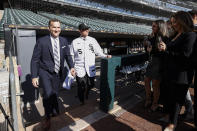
pixel 172 66
pixel 171 71
pixel 48 70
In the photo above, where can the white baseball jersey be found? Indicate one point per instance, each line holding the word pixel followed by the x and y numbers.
pixel 84 50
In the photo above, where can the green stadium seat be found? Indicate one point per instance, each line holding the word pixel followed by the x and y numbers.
pixel 29 18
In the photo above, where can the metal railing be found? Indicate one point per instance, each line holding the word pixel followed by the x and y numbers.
pixel 13 92
pixel 16 123
pixel 14 118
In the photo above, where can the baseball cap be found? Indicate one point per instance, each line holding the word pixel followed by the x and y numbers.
pixel 83 26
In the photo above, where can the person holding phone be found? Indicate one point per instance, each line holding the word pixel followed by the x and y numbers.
pixel 179 71
pixel 153 74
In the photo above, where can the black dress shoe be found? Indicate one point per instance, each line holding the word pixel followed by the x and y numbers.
pixel 46 124
pixel 55 113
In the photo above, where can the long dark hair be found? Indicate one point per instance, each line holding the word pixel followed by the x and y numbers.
pixel 185 20
pixel 163 31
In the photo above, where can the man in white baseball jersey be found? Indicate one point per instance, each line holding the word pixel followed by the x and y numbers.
pixel 84 49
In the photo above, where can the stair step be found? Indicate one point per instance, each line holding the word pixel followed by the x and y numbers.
pixel 4 86
pixel 1 51
pixel 2 45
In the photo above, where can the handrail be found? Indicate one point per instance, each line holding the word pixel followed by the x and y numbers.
pixel 13 92
pixel 14 88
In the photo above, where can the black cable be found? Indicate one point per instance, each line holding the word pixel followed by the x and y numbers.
pixel 6 117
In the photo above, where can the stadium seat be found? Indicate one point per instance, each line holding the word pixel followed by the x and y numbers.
pixel 24 17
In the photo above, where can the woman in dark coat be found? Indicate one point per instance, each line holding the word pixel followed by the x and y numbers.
pixel 178 71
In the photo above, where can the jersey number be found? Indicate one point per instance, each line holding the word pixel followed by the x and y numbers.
pixel 79 51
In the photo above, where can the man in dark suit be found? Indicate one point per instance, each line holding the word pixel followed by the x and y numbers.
pixel 47 67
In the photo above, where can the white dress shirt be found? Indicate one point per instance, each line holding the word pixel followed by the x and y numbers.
pixel 84 50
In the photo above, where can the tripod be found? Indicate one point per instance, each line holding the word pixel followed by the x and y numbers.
pixel 6 117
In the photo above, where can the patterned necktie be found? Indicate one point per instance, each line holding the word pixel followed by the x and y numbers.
pixel 56 57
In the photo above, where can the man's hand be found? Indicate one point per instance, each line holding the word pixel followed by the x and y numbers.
pixel 35 82
pixel 109 56
pixel 72 71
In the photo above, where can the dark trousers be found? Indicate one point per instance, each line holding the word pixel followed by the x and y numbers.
pixel 84 85
pixel 50 104
pixel 177 94
pixel 50 84
pixel 195 98
pixel 164 95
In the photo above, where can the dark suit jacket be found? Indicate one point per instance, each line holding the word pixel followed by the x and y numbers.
pixel 43 59
pixel 178 53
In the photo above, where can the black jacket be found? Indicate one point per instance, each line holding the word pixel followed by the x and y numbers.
pixel 179 52
pixel 194 53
